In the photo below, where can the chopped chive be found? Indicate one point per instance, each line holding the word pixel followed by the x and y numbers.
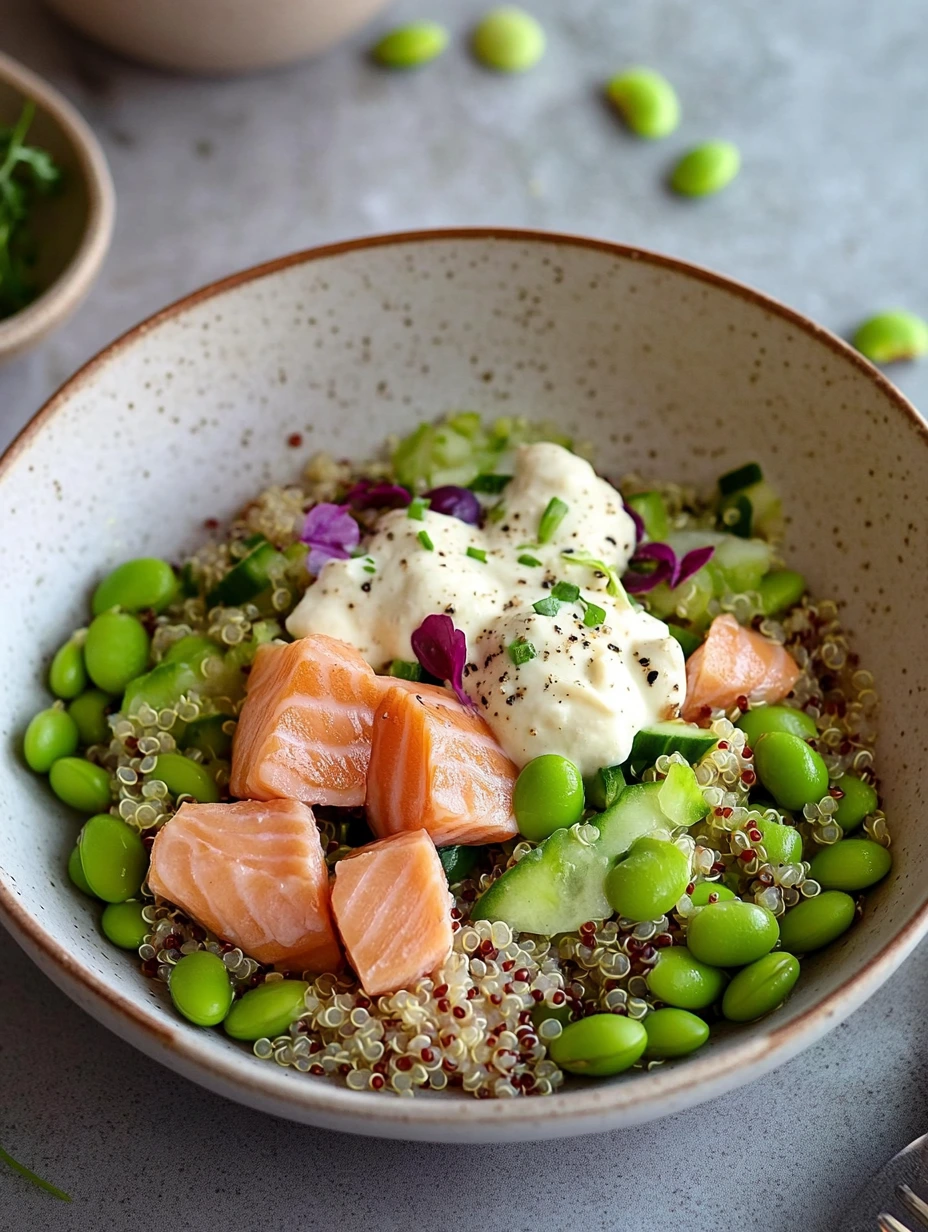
pixel 489 483
pixel 368 564
pixel 521 651
pixel 532 561
pixel 417 508
pixel 553 516
pixel 477 554
pixel 567 592
pixel 31 1176
pixel 426 540
pixel 549 606
pixel 405 670
pixel 594 616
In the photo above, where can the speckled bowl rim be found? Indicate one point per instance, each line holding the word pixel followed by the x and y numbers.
pixel 584 1110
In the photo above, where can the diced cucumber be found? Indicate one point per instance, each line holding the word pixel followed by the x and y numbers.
pixel 603 788
pixel 560 884
pixel 681 797
pixel 247 578
pixel 689 640
pixel 651 509
pixel 689 601
pixel 781 590
pixel 458 862
pixel 208 736
pixel 403 669
pixel 161 688
pixel 740 477
pixel 736 514
pixel 191 650
pixel 741 562
pixel 672 736
pixel 768 508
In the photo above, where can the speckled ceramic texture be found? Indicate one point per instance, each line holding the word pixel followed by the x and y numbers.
pixel 666 368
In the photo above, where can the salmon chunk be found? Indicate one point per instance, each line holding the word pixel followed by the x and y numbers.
pixel 734 661
pixel 436 765
pixel 393 909
pixel 304 732
pixel 254 874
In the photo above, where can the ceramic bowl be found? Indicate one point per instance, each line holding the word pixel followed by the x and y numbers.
pixel 217 36
pixel 667 368
pixel 73 228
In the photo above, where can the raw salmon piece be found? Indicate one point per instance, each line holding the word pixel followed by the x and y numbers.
pixel 254 874
pixel 304 732
pixel 436 766
pixel 393 909
pixel 735 661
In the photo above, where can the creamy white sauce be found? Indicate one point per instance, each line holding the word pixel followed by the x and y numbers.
pixel 587 691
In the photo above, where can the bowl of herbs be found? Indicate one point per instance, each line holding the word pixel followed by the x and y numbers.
pixel 57 207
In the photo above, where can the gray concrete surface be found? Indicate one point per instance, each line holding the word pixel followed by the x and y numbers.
pixel 828 101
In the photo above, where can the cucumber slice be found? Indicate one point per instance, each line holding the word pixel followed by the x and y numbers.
pixel 681 797
pixel 688 640
pixel 560 884
pixel 161 688
pixel 741 562
pixel 404 669
pixel 191 650
pixel 740 477
pixel 249 577
pixel 736 514
pixel 208 736
pixel 458 862
pixel 768 509
pixel 672 736
pixel 780 590
pixel 603 788
pixel 651 509
pixel 689 601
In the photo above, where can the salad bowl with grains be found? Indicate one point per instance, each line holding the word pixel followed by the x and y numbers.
pixel 521 773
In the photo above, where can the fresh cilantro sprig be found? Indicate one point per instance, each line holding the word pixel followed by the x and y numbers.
pixel 26 174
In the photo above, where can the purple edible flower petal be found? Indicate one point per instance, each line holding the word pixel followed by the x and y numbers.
pixel 455 502
pixel 637 519
pixel 368 495
pixel 639 583
pixel 692 562
pixel 669 569
pixel 332 534
pixel 442 651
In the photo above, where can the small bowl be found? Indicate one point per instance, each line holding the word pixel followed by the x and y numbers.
pixel 217 36
pixel 74 227
pixel 667 369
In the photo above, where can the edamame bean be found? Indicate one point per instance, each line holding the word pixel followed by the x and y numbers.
pixel 201 989
pixel 732 934
pixel 781 589
pixel 674 1033
pixel 761 987
pixel 76 873
pixel 704 889
pixel 782 843
pixel 548 795
pixel 646 100
pixel 760 720
pixel 124 924
pixel 649 881
pixel 412 45
pixel 599 1045
pixel 51 734
pixel 793 773
pixel 680 979
pixel 80 784
pixel 113 858
pixel 89 712
pixel 116 650
pixel 851 864
pixel 144 583
pixel 817 921
pixel 67 675
pixel 706 169
pixel 542 1012
pixel 509 40
pixel 184 777
pixel 859 801
pixel 891 336
pixel 266 1010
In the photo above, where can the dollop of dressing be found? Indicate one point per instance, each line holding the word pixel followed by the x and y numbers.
pixel 586 691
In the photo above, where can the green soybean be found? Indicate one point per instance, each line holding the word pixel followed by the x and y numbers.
pixel 599 1045
pixel 548 795
pixel 124 924
pixel 704 889
pixel 782 843
pixel 793 773
pixel 891 336
pixel 858 801
pixel 51 734
pixel 411 45
pixel 266 1010
pixel 760 720
pixel 815 922
pixel 113 858
pixel 89 712
pixel 116 650
pixel 542 1012
pixel 137 584
pixel 732 934
pixel 680 979
pixel 184 777
pixel 761 987
pixel 707 169
pixel 201 989
pixel 851 864
pixel 781 589
pixel 80 784
pixel 509 40
pixel 674 1033
pixel 76 873
pixel 67 675
pixel 646 101
pixel 649 881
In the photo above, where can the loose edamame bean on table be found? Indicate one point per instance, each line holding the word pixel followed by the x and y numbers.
pixel 599 1045
pixel 200 988
pixel 89 712
pixel 649 881
pixel 816 922
pixel 674 1033
pixel 113 858
pixel 136 584
pixel 116 650
pixel 266 1010
pixel 851 864
pixel 184 777
pixel 411 45
pixel 792 772
pixel 761 987
pixel 67 675
pixel 124 924
pixel 707 169
pixel 731 934
pixel 80 784
pixel 891 336
pixel 678 978
pixel 646 100
pixel 548 795
pixel 858 801
pixel 760 720
pixel 509 40
pixel 51 734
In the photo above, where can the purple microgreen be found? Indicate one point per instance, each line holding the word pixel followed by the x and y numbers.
pixel 668 568
pixel 455 502
pixel 331 533
pixel 692 562
pixel 637 519
pixel 369 495
pixel 442 651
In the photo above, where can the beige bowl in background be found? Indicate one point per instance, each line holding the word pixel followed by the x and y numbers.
pixel 217 36
pixel 73 228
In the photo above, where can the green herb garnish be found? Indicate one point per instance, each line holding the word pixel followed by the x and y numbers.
pixel 613 584
pixel 404 670
pixel 426 540
pixel 477 554
pixel 26 174
pixel 553 516
pixel 31 1176
pixel 521 651
pixel 532 561
pixel 417 508
pixel 567 592
pixel 548 606
pixel 594 615
pixel 489 483
pixel 368 564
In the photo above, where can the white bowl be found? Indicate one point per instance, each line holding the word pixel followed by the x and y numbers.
pixel 667 368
